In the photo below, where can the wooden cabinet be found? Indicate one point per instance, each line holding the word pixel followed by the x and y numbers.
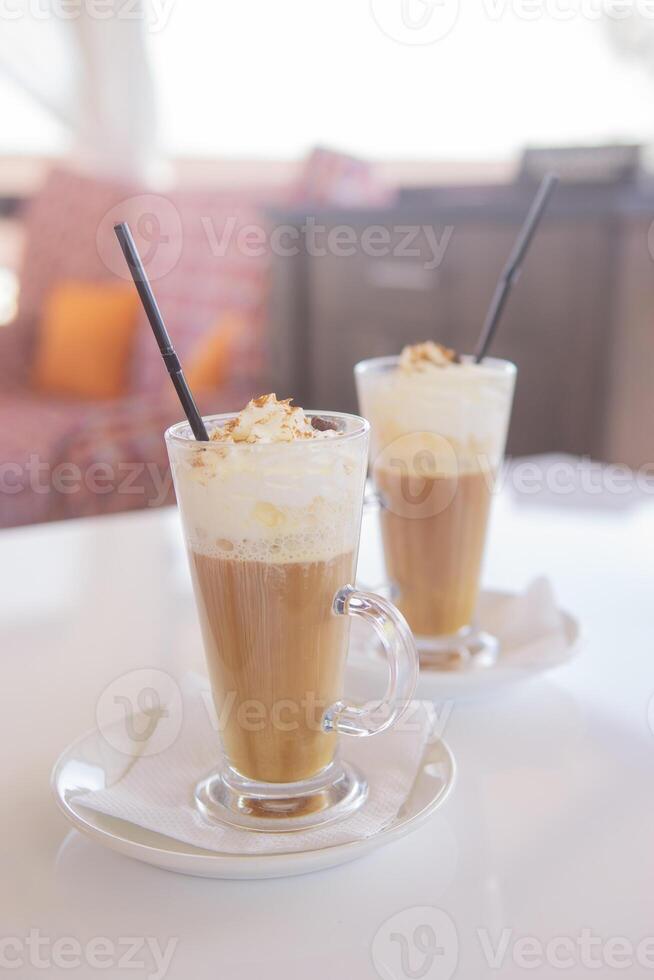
pixel 579 323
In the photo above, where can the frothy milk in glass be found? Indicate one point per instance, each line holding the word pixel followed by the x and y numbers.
pixel 271 510
pixel 439 429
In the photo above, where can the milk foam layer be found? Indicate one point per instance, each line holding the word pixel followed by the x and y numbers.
pixel 288 501
pixel 439 417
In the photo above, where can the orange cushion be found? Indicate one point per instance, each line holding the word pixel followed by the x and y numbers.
pixel 208 363
pixel 86 335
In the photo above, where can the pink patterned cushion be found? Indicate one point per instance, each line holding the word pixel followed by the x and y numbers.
pixel 46 444
pixel 130 441
pixel 67 237
pixel 336 179
pixel 10 355
pixel 69 228
pixel 218 242
pixel 216 270
pixel 32 431
pixel 205 250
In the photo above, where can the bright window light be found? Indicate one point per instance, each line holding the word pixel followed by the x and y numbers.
pixel 272 79
pixel 27 128
pixel 8 296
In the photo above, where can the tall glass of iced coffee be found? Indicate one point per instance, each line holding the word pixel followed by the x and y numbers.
pixel 439 427
pixel 271 510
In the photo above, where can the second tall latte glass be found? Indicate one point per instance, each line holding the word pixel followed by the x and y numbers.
pixel 272 532
pixel 438 438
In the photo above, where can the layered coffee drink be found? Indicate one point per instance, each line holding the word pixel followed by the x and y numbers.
pixel 439 426
pixel 271 510
pixel 274 679
pixel 434 562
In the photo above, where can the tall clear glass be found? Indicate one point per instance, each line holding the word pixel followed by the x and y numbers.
pixel 272 532
pixel 438 440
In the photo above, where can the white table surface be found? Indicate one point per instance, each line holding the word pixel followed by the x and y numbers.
pixel 549 831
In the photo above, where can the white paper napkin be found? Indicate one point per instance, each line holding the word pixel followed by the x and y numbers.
pixel 156 791
pixel 529 626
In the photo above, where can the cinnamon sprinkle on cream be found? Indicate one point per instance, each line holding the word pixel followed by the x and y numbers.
pixel 423 357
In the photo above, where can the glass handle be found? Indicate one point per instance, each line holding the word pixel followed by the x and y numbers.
pixel 400 649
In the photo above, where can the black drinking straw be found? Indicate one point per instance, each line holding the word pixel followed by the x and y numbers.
pixel 511 270
pixel 170 358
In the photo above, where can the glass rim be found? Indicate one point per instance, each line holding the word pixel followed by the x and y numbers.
pixel 497 365
pixel 173 434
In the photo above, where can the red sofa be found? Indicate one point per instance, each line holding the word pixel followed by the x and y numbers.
pixel 67 458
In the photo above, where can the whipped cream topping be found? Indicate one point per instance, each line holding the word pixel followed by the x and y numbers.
pixel 265 419
pixel 252 493
pixel 424 357
pixel 437 414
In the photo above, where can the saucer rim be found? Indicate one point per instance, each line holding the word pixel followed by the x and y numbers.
pixel 486 679
pixel 223 864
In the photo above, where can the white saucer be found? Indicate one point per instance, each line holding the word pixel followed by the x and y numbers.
pixel 80 769
pixel 366 670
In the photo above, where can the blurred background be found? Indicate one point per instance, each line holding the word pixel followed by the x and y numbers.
pixel 310 185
